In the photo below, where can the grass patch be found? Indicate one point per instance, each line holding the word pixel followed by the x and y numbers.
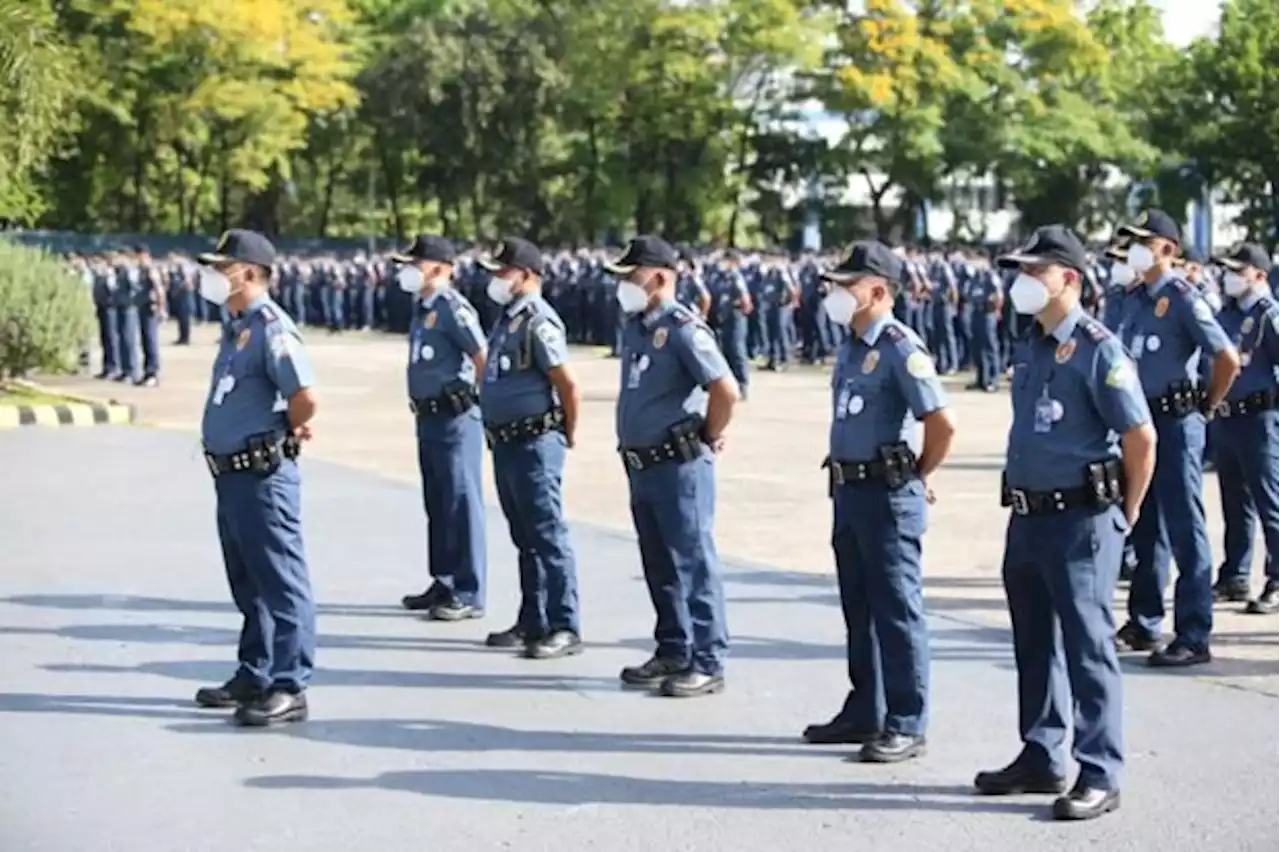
pixel 10 395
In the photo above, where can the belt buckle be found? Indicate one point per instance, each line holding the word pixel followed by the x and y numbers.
pixel 837 473
pixel 212 462
pixel 1018 500
pixel 633 460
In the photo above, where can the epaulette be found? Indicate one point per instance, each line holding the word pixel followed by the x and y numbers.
pixel 1097 331
pixel 682 316
pixel 1182 286
pixel 1267 304
pixel 894 333
pixel 268 314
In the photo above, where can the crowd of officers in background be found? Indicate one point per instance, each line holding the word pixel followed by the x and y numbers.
pixel 765 306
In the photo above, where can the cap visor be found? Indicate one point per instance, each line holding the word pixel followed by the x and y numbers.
pixel 400 257
pixel 1009 261
pixel 1133 231
pixel 489 263
pixel 839 277
pixel 1229 263
pixel 618 268
pixel 210 258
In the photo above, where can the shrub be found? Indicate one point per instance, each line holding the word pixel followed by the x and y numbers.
pixel 46 312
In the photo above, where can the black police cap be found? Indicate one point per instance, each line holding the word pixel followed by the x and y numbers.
pixel 1117 251
pixel 427 247
pixel 239 245
pixel 1191 254
pixel 868 257
pixel 1246 254
pixel 514 252
pixel 1153 223
pixel 1051 244
pixel 644 250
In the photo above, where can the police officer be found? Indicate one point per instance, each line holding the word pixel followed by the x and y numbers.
pixel 986 300
pixel 1247 426
pixel 260 405
pixel 1166 323
pixel 152 310
pixel 731 306
pixel 883 387
pixel 676 400
pixel 104 305
pixel 446 354
pixel 529 400
pixel 1080 456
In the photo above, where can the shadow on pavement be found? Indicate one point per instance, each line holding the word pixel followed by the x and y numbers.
pixel 135 603
pixel 574 788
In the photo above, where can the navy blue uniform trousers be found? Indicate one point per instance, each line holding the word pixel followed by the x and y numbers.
pixel 450 459
pixel 1172 521
pixel 876 536
pixel 1060 571
pixel 109 337
pixel 260 527
pixel 673 506
pixel 732 335
pixel 1247 458
pixel 528 477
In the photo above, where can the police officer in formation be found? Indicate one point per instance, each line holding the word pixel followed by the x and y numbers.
pixel 890 429
pixel 1080 456
pixel 674 405
pixel 446 355
pixel 529 400
pixel 731 306
pixel 260 404
pixel 1246 427
pixel 1165 324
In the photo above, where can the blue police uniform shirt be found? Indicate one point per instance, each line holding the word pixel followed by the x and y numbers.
pixel 443 337
pixel 729 291
pixel 261 364
pixel 983 289
pixel 1251 324
pixel 527 342
pixel 883 384
pixel 668 358
pixel 1074 394
pixel 1166 324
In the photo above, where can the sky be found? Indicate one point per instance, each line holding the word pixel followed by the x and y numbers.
pixel 1186 19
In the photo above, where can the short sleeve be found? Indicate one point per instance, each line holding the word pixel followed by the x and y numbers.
pixel 547 340
pixel 917 379
pixel 1115 388
pixel 696 348
pixel 1197 318
pixel 1271 333
pixel 287 362
pixel 464 330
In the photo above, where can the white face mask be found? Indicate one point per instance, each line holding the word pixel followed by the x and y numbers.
pixel 1141 258
pixel 499 290
pixel 409 279
pixel 1234 284
pixel 631 297
pixel 1028 294
pixel 1122 274
pixel 840 304
pixel 214 285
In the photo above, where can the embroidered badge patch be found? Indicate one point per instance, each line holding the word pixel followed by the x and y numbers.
pixel 920 366
pixel 243 339
pixel 1064 352
pixel 1247 325
pixel 1162 306
pixel 870 362
pixel 430 321
pixel 660 338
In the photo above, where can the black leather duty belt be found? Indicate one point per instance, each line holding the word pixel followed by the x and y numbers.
pixel 1048 502
pixel 1252 404
pixel 259 457
pixel 843 472
pixel 644 458
pixel 524 429
pixel 447 403
pixel 1178 402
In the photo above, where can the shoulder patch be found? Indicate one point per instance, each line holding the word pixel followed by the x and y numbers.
pixel 703 340
pixel 1200 308
pixel 920 366
pixel 1121 374
pixel 548 332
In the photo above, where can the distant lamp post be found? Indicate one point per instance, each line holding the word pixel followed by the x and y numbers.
pixel 1201 218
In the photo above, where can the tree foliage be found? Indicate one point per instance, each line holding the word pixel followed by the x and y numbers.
pixel 582 120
